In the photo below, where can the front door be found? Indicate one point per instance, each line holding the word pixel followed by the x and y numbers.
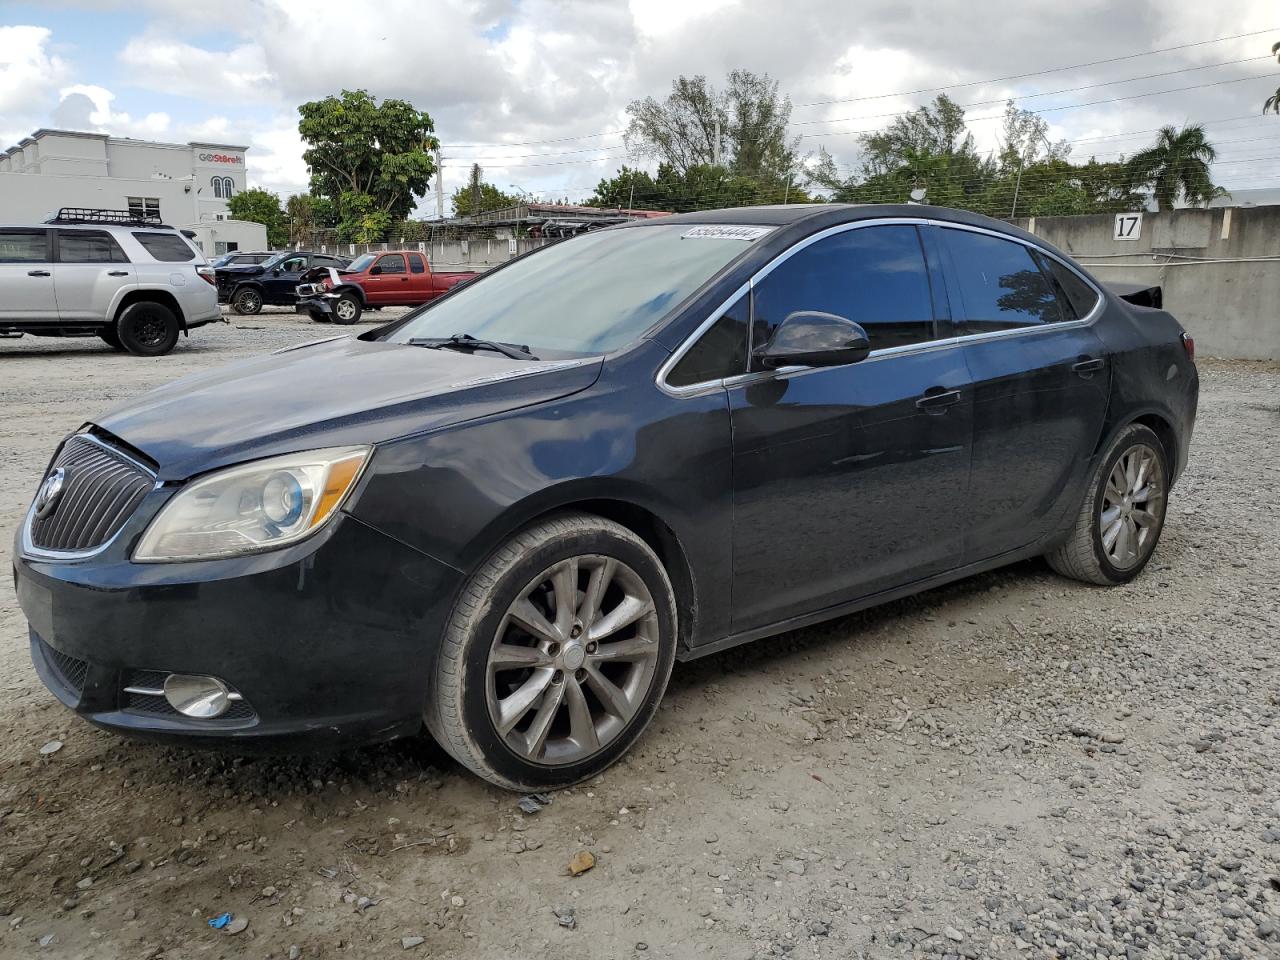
pixel 91 271
pixel 390 282
pixel 1041 381
pixel 850 480
pixel 26 275
pixel 281 281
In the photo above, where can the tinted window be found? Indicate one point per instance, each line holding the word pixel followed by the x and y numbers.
pixel 874 276
pixel 168 247
pixel 391 263
pixel 415 264
pixel 24 246
pixel 88 246
pixel 1076 296
pixel 1001 285
pixel 720 352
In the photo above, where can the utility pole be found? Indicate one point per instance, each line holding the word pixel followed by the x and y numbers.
pixel 715 147
pixel 439 187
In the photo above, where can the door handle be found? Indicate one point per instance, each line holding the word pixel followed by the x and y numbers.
pixel 938 402
pixel 38 273
pixel 1087 366
pixel 117 273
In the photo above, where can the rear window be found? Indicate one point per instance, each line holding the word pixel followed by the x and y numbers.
pixel 89 246
pixel 167 247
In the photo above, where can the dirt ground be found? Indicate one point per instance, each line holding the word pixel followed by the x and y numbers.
pixel 1012 766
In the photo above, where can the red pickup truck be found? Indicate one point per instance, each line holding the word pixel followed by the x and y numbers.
pixel 397 278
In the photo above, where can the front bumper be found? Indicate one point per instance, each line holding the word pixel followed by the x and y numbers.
pixel 329 643
pixel 316 304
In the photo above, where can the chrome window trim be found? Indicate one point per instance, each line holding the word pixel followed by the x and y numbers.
pixel 32 552
pixel 709 386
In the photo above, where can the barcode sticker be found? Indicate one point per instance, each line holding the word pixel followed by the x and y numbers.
pixel 726 232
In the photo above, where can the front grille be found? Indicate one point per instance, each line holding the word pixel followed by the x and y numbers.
pixel 72 671
pixel 100 490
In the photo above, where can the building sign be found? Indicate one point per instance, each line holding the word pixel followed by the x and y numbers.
pixel 1128 226
pixel 219 158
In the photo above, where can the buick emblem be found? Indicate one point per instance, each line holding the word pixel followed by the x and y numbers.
pixel 49 492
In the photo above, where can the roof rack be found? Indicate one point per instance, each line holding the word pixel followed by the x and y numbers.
pixel 124 218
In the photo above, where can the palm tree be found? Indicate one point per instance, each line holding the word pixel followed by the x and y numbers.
pixel 1178 165
pixel 1273 101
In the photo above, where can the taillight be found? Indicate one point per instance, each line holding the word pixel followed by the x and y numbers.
pixel 1189 345
pixel 207 273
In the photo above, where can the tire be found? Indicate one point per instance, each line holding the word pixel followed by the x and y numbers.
pixel 147 329
pixel 318 316
pixel 247 301
pixel 466 702
pixel 346 309
pixel 111 338
pixel 1086 555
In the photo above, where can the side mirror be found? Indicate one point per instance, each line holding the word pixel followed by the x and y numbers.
pixel 813 339
pixel 275 272
pixel 376 271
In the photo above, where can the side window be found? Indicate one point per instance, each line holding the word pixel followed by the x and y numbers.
pixel 720 352
pixel 1076 296
pixel 415 264
pixel 294 265
pixel 89 246
pixel 392 263
pixel 166 247
pixel 24 246
pixel 875 276
pixel 1001 284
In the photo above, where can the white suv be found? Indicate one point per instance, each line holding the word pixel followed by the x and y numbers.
pixel 132 281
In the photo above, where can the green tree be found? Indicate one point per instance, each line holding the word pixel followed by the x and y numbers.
pixel 629 187
pixel 300 211
pixel 749 113
pixel 479 197
pixel 261 206
pixel 1273 101
pixel 929 131
pixel 358 147
pixel 1176 166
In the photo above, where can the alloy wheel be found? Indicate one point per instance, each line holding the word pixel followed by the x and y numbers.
pixel 345 309
pixel 1133 504
pixel 573 660
pixel 250 303
pixel 149 331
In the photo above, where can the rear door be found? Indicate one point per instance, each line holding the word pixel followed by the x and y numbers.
pixel 26 275
pixel 421 285
pixel 388 280
pixel 847 480
pixel 1040 380
pixel 91 270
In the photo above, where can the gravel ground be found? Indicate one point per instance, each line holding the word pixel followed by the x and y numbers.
pixel 1012 766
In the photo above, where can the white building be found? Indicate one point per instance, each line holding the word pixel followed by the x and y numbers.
pixel 188 184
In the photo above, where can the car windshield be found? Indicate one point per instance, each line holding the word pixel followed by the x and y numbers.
pixel 588 295
pixel 360 263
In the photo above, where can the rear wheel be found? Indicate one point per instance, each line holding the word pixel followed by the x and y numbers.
pixel 147 329
pixel 346 309
pixel 556 655
pixel 1123 512
pixel 247 302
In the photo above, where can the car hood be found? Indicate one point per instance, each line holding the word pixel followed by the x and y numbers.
pixel 333 392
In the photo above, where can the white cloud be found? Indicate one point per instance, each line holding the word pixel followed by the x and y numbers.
pixel 158 62
pixel 88 107
pixel 29 79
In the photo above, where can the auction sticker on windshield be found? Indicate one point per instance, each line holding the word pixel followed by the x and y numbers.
pixel 717 232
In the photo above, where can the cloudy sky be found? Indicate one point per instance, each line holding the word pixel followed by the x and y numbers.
pixel 536 90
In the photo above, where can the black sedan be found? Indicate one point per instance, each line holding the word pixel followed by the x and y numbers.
pixel 505 515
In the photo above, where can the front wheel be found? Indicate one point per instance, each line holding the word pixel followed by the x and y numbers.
pixel 346 309
pixel 1123 513
pixel 555 656
pixel 247 302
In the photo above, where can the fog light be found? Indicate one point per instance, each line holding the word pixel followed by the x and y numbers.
pixel 194 696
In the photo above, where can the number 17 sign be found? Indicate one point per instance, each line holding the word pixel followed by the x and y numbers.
pixel 1128 226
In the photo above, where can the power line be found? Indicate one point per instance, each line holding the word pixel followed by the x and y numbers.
pixel 1037 73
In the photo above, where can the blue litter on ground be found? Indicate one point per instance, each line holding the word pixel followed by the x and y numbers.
pixel 219 922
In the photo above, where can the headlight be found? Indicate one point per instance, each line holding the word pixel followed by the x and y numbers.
pixel 255 507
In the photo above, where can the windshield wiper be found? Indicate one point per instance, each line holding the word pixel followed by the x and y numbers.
pixel 467 342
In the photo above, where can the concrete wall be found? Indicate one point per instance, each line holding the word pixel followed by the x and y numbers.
pixel 1219 269
pixel 444 255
